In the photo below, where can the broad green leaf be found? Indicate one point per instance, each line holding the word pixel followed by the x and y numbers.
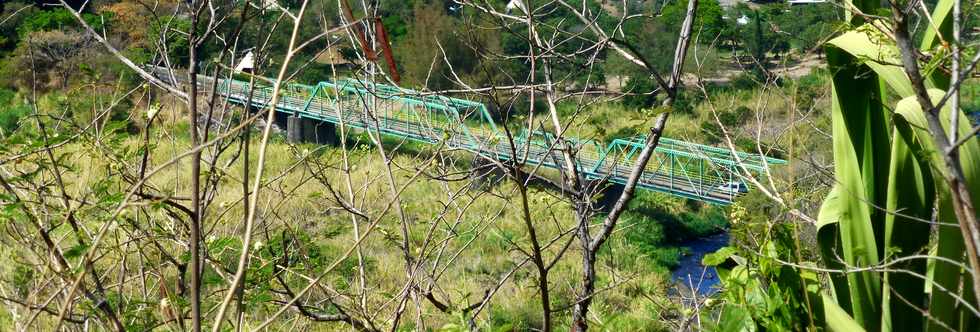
pixel 940 23
pixel 911 112
pixel 880 167
pixel 718 257
pixel 911 196
pixel 877 52
pixel 943 306
pixel 946 276
pixel 829 241
pixel 837 319
pixel 863 6
pixel 736 319
pixel 930 270
pixel 860 128
pixel 940 27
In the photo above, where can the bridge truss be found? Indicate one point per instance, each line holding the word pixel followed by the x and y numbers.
pixel 689 170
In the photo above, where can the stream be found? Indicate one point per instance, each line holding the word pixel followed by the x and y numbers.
pixel 689 270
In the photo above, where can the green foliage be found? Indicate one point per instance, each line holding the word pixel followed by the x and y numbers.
pixel 60 19
pixel 433 38
pixel 748 80
pixel 911 165
pixel 52 43
pixel 760 38
pixel 712 131
pixel 884 160
pixel 765 295
pixel 775 28
pixel 708 21
pixel 397 18
pixel 970 100
pixel 759 292
pixel 172 30
pixel 640 88
pixel 22 278
pixel 686 100
pixel 729 119
pixel 12 112
pixel 808 89
pixel 521 316
pixel 735 117
pixel 846 223
pixel 9 35
pixel 656 35
pixel 659 224
pixel 806 26
pixel 7 97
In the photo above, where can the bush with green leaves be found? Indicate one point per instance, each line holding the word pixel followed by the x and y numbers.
pixel 60 19
pixel 172 31
pixel 807 26
pixel 639 87
pixel 893 255
pixel 13 112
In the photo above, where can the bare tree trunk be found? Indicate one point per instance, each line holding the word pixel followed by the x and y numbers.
pixel 591 246
pixel 537 260
pixel 246 142
pixel 195 225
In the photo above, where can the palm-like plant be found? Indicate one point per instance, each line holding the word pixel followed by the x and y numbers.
pixel 876 223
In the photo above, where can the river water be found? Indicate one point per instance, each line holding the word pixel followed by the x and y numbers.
pixel 690 272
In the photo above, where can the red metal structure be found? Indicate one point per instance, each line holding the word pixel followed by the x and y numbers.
pixel 381 36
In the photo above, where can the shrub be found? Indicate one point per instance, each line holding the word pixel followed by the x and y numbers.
pixel 12 112
pixel 639 86
pixel 735 117
pixel 746 80
pixel 59 20
pixel 711 131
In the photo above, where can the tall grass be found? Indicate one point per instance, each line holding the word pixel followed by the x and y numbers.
pixel 296 204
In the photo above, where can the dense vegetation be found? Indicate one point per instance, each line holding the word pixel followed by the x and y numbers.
pixel 393 234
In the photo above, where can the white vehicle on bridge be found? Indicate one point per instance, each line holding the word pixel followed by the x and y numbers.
pixel 733 188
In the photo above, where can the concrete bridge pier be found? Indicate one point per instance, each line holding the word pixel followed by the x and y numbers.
pixel 484 173
pixel 306 130
pixel 608 191
pixel 318 132
pixel 294 129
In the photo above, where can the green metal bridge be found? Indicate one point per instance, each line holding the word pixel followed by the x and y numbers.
pixel 679 168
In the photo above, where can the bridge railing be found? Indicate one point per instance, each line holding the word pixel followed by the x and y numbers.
pixel 543 148
pixel 687 169
pixel 419 116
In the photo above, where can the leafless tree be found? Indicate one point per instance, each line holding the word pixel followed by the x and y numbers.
pixel 203 218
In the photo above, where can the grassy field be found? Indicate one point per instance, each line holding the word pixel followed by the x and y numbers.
pixel 471 233
pixel 474 231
